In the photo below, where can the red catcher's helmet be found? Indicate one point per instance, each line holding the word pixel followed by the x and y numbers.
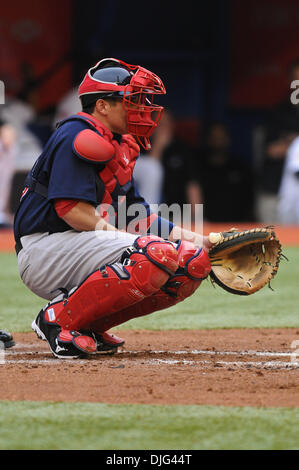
pixel 136 86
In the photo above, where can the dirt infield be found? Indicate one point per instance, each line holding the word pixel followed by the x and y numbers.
pixel 211 367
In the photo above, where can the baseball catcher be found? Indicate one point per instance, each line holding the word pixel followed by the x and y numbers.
pixel 75 248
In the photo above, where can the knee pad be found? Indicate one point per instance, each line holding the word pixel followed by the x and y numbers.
pixel 193 262
pixel 143 270
pixel 194 266
pixel 160 252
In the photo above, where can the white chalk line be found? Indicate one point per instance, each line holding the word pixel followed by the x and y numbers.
pixel 17 350
pixel 23 349
pixel 217 353
pixel 264 365
pixel 200 364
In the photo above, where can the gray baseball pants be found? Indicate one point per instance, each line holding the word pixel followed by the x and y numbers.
pixel 49 262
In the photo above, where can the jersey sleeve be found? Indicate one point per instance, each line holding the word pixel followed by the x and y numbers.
pixel 71 177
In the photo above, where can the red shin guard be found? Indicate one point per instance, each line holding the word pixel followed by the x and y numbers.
pixel 145 269
pixel 194 266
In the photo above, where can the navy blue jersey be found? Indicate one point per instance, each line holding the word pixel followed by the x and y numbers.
pixel 65 176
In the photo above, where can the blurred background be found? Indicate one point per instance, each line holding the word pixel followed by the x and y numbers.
pixel 228 138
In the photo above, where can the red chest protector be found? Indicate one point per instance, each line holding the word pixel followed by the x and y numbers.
pixel 97 144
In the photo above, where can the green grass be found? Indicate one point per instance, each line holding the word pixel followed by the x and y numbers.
pixel 43 425
pixel 18 306
pixel 209 307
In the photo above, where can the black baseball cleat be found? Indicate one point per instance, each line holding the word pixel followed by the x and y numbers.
pixel 6 339
pixel 64 344
pixel 107 343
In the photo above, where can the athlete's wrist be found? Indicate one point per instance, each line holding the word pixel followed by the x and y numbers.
pixel 179 233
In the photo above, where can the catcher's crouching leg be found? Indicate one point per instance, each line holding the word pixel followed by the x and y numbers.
pixel 144 269
pixel 194 267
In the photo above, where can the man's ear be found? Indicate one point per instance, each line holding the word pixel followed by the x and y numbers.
pixel 102 106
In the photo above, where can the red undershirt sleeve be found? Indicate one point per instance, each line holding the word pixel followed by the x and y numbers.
pixel 63 206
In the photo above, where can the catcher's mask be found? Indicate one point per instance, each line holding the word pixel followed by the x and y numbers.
pixel 135 85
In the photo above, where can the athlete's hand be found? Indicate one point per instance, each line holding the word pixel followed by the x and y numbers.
pixel 206 244
pixel 199 240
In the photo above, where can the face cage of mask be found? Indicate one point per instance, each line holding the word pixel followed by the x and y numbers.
pixel 143 116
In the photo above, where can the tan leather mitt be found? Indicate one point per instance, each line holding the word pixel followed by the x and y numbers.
pixel 244 262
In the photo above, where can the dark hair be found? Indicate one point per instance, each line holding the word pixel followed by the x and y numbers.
pixel 89 109
pixel 88 104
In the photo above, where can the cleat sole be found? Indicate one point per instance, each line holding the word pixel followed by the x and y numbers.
pixel 38 332
pixel 41 336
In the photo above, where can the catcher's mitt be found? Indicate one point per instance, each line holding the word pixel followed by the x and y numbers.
pixel 244 262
